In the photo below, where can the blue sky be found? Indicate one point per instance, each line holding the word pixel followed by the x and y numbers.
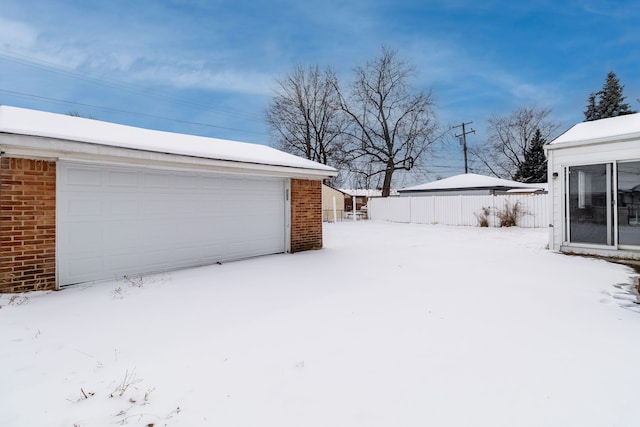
pixel 207 67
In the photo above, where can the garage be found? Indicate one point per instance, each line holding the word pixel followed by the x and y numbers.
pixel 118 219
pixel 83 200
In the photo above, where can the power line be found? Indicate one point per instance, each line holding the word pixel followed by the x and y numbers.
pixel 114 84
pixel 116 110
pixel 444 166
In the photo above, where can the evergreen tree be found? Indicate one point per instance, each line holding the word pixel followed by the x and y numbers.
pixel 608 102
pixel 534 167
pixel 592 109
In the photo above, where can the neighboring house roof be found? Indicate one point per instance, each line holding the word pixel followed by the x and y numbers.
pixel 335 189
pixel 22 121
pixel 470 181
pixel 364 192
pixel 598 131
pixel 527 190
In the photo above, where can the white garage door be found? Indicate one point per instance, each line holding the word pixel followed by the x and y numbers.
pixel 119 220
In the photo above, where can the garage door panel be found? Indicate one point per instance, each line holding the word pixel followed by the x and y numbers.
pixel 117 233
pixel 82 177
pixel 203 253
pixel 119 220
pixel 157 231
pixel 186 181
pixel 82 237
pixel 84 207
pixel 82 268
pixel 211 182
pixel 120 262
pixel 119 178
pixel 155 180
pixel 149 206
pixel 117 205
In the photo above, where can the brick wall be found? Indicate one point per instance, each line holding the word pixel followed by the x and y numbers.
pixel 306 215
pixel 27 225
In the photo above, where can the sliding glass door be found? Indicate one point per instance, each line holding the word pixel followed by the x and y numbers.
pixel 629 203
pixel 589 204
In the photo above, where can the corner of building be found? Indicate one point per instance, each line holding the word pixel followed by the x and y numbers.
pixel 306 215
pixel 27 225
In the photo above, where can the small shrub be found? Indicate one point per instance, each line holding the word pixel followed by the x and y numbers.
pixel 483 217
pixel 510 215
pixel 128 381
pixel 86 394
pixel 147 394
pixel 18 299
pixel 117 293
pixel 134 281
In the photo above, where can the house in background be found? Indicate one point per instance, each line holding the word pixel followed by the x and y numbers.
pixel 83 200
pixel 470 184
pixel 594 186
pixel 362 196
pixel 332 202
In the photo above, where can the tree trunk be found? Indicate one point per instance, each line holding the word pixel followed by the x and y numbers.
pixel 386 186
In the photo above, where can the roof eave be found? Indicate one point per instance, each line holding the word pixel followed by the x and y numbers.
pixel 553 145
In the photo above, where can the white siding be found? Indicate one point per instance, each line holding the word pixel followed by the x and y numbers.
pixel 560 158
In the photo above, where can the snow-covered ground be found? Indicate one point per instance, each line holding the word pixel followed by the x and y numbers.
pixel 389 325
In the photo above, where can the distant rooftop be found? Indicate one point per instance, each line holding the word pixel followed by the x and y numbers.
pixel 363 192
pixel 470 181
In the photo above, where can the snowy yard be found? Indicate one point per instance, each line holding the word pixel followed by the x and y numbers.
pixel 389 325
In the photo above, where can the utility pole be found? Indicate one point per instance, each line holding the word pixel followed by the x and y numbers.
pixel 464 142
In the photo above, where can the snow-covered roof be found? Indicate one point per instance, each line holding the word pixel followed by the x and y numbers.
pixel 22 121
pixel 604 130
pixel 364 192
pixel 470 181
pixel 527 190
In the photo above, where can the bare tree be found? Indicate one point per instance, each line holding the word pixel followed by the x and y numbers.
pixel 391 124
pixel 79 114
pixel 510 138
pixel 305 116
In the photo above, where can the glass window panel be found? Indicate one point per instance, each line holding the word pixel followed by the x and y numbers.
pixel 588 207
pixel 629 203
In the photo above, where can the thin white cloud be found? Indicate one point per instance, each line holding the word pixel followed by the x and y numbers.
pixel 439 62
pixel 608 9
pixel 199 76
pixel 112 58
pixel 16 34
pixel 23 42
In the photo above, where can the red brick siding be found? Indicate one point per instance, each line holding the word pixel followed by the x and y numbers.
pixel 27 225
pixel 306 215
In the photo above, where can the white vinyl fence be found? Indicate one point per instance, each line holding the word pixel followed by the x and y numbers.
pixel 459 210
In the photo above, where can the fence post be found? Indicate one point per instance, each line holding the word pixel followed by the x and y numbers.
pixel 353 201
pixel 433 211
pixel 411 211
